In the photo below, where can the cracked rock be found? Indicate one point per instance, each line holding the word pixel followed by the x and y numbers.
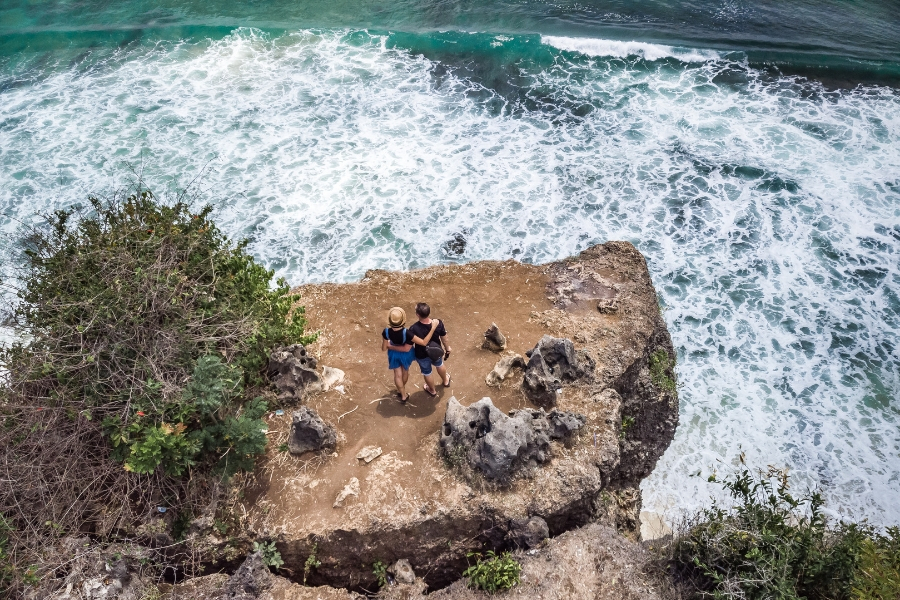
pixel 310 433
pixel 551 364
pixel 250 580
pixel 492 442
pixel 527 533
pixel 293 371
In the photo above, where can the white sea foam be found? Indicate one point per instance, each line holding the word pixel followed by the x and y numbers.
pixel 619 49
pixel 767 211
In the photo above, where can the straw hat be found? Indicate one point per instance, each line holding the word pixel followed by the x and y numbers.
pixel 396 317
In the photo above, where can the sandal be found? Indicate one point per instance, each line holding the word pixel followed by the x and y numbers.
pixel 449 381
pixel 432 393
pixel 404 400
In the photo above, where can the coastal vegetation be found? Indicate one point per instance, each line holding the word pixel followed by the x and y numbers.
pixel 774 544
pixel 138 382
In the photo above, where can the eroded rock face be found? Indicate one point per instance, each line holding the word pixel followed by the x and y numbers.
pixel 490 441
pixel 250 580
pixel 552 364
pixel 293 371
pixel 499 445
pixel 527 533
pixel 409 503
pixel 310 433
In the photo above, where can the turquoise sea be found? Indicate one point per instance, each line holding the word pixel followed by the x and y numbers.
pixel 749 148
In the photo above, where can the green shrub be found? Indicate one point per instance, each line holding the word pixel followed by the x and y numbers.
pixel 125 305
pixel 145 336
pixel 662 372
pixel 771 544
pixel 270 554
pixel 878 574
pixel 493 573
pixel 379 570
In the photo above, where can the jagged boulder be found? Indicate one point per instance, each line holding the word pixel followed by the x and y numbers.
pixel 493 339
pixel 503 367
pixel 564 425
pixel 250 580
pixel 551 364
pixel 499 445
pixel 310 433
pixel 527 533
pixel 492 442
pixel 403 572
pixel 293 371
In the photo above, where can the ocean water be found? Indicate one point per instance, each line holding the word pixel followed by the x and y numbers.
pixel 751 151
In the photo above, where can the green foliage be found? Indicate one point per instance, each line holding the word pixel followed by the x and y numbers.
pixel 145 317
pixel 270 554
pixel 379 569
pixel 662 372
pixel 774 545
pixel 627 422
pixel 878 575
pixel 493 573
pixel 312 562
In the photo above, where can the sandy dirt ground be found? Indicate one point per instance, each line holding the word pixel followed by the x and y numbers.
pixel 366 411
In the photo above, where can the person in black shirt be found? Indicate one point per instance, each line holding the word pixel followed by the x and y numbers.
pixel 397 340
pixel 421 335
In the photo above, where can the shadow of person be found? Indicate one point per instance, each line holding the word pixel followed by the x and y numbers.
pixel 419 405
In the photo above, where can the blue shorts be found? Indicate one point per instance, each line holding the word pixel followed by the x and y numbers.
pixel 400 359
pixel 425 364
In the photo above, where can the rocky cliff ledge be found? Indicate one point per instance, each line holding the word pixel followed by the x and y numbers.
pixel 420 500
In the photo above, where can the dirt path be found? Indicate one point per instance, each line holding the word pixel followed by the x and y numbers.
pixel 350 319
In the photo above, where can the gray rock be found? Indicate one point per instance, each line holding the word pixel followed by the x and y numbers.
pixel 551 364
pixel 369 453
pixel 310 433
pixel 503 367
pixel 564 424
pixel 527 533
pixel 293 371
pixel 492 442
pixel 351 489
pixel 493 339
pixel 403 571
pixel 250 580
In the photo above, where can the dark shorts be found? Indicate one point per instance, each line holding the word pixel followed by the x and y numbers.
pixel 400 359
pixel 425 364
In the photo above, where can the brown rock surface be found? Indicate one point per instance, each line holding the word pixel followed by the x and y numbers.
pixel 411 503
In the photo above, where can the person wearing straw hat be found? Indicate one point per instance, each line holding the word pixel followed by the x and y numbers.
pixel 397 340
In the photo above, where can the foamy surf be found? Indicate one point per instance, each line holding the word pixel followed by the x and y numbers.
pixel 620 49
pixel 766 208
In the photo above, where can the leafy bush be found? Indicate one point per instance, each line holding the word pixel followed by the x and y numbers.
pixel 379 570
pixel 145 340
pixel 878 574
pixel 493 573
pixel 774 545
pixel 270 554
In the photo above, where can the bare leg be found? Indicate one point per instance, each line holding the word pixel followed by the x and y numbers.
pixel 401 375
pixel 445 377
pixel 429 382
